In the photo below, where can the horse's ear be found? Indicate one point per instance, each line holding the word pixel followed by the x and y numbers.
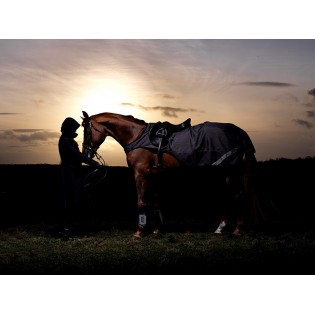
pixel 85 114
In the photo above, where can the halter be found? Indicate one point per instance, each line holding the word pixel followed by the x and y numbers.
pixel 90 146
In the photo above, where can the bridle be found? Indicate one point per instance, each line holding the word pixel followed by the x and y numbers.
pixel 90 146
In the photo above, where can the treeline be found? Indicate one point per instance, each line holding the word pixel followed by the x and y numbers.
pixel 33 193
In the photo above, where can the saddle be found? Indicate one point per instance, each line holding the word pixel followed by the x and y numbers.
pixel 162 131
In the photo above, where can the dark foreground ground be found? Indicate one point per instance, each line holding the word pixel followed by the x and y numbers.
pixel 31 212
pixel 35 250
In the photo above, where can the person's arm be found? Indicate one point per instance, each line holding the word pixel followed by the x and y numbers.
pixel 82 157
pixel 85 159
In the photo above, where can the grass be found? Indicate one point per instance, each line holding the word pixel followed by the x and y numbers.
pixel 35 250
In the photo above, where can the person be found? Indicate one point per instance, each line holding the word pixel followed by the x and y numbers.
pixel 71 167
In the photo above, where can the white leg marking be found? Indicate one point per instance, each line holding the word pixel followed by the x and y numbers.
pixel 220 227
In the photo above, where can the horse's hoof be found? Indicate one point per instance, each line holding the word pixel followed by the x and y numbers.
pixel 237 233
pixel 139 233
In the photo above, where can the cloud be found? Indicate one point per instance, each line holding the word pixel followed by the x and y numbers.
pixel 310 113
pixel 10 113
pixel 303 123
pixel 311 92
pixel 310 104
pixel 167 96
pixel 29 135
pixel 287 98
pixel 165 110
pixel 309 99
pixel 27 130
pixel 267 84
pixel 38 103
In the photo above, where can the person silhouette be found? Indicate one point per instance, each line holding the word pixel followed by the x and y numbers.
pixel 71 167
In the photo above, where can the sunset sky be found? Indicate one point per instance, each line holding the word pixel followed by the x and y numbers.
pixel 266 87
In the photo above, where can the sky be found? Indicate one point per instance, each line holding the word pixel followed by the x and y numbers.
pixel 265 86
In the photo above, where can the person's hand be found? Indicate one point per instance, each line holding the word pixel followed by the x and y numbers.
pixel 95 164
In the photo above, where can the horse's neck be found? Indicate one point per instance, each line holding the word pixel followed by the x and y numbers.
pixel 123 131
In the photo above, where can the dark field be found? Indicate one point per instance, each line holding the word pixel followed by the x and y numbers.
pixel 31 213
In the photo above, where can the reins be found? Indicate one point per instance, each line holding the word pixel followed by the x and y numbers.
pixel 92 178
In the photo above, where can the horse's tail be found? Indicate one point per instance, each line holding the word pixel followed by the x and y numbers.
pixel 260 207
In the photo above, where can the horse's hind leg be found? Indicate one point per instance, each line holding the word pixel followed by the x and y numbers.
pixel 239 197
pixel 226 206
pixel 232 208
pixel 244 198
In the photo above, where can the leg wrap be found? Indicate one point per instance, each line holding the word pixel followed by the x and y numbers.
pixel 142 219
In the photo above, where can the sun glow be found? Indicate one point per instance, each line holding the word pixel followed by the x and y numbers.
pixel 103 101
pixel 109 96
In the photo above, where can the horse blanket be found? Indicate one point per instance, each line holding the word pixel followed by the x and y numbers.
pixel 205 144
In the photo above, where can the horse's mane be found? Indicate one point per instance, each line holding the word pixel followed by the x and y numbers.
pixel 136 119
pixel 114 115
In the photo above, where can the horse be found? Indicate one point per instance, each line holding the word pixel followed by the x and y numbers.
pixel 153 147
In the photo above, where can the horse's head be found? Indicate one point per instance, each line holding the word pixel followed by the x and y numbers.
pixel 93 135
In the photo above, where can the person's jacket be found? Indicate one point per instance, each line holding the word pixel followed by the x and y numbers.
pixel 70 153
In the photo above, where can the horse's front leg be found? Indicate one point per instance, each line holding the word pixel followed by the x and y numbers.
pixel 148 204
pixel 142 183
pixel 157 213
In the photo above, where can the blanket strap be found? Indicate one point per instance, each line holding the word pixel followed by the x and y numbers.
pixel 225 156
pixel 162 133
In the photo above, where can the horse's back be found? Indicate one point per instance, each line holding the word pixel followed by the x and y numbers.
pixel 211 143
